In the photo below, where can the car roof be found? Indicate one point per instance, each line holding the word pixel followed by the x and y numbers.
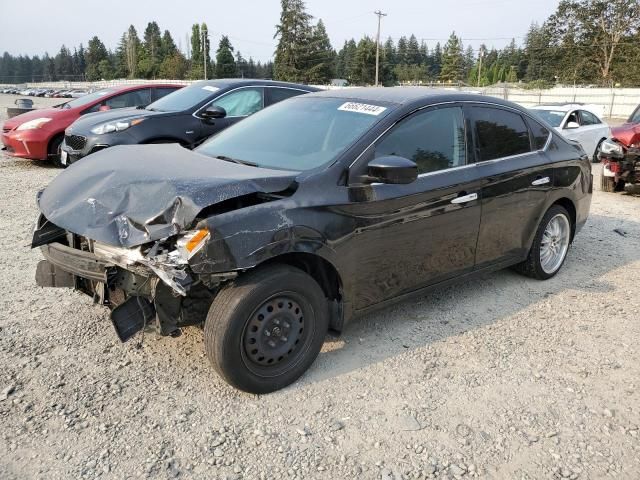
pixel 408 95
pixel 137 86
pixel 242 82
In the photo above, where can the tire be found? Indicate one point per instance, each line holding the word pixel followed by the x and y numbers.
pixel 607 184
pixel 595 158
pixel 619 187
pixel 534 266
pixel 261 355
pixel 54 151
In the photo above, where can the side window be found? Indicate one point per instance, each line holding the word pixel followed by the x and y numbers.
pixel 95 108
pixel 241 103
pixel 589 118
pixel 130 99
pixel 499 133
pixel 276 95
pixel 434 139
pixel 162 91
pixel 540 134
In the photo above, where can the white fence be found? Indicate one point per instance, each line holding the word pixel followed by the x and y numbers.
pixel 613 102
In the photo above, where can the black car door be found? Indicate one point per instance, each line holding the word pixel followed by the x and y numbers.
pixel 518 178
pixel 238 103
pixel 409 236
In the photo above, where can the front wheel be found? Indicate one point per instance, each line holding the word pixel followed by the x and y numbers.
pixel 55 151
pixel 264 330
pixel 550 245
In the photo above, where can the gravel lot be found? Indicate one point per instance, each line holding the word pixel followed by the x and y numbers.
pixel 505 377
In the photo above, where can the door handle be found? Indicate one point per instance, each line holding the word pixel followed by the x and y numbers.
pixel 465 198
pixel 541 181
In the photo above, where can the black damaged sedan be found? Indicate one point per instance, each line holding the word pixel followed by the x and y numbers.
pixel 309 213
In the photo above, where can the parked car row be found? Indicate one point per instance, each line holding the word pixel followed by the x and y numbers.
pixel 38 134
pixel 320 208
pixel 46 92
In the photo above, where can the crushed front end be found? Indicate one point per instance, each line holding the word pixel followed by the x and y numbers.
pixel 144 286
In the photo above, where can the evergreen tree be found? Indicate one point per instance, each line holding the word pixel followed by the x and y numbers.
pixel 150 55
pixel 364 68
pixel 321 68
pixel 452 60
pixel 293 33
pixel 96 53
pixel 225 63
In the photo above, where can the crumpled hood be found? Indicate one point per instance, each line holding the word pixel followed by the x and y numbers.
pixel 627 133
pixel 130 195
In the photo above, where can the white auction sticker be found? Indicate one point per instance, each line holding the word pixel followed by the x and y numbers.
pixel 210 88
pixel 362 108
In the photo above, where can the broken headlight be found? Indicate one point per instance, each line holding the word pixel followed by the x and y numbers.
pixel 611 148
pixel 191 242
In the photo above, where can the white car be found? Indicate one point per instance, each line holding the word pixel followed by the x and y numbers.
pixel 578 122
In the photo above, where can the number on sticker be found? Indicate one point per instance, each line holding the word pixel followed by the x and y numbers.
pixel 361 108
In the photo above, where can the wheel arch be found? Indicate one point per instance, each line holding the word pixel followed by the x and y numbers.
pixel 54 137
pixel 324 273
pixel 570 207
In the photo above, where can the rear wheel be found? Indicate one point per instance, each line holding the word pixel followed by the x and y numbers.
pixel 265 330
pixel 550 245
pixel 54 151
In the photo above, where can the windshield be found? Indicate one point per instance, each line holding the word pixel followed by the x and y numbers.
pixel 552 117
pixel 298 134
pixel 635 116
pixel 88 98
pixel 183 99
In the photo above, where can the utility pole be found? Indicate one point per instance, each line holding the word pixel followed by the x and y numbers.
pixel 380 15
pixel 481 55
pixel 205 38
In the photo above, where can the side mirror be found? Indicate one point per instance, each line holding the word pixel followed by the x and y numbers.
pixel 213 112
pixel 392 169
pixel 104 108
pixel 571 125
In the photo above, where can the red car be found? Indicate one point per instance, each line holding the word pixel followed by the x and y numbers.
pixel 38 134
pixel 620 156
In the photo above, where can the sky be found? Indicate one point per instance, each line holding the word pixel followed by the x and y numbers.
pixel 251 24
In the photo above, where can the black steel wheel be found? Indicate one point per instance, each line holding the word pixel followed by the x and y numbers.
pixel 265 329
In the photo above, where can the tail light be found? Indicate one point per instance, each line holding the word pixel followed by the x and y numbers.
pixel 614 167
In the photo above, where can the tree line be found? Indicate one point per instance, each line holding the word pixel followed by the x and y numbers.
pixel 583 42
pixel 155 55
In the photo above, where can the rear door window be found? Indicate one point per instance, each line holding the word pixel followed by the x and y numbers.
pixel 130 99
pixel 275 95
pixel 539 133
pixel 162 91
pixel 499 133
pixel 589 118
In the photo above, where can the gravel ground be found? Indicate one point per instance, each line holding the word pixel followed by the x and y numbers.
pixel 504 377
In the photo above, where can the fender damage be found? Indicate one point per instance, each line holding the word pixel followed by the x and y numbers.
pixel 133 220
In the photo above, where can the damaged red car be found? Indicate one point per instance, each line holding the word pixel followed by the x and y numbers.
pixel 620 156
pixel 309 213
